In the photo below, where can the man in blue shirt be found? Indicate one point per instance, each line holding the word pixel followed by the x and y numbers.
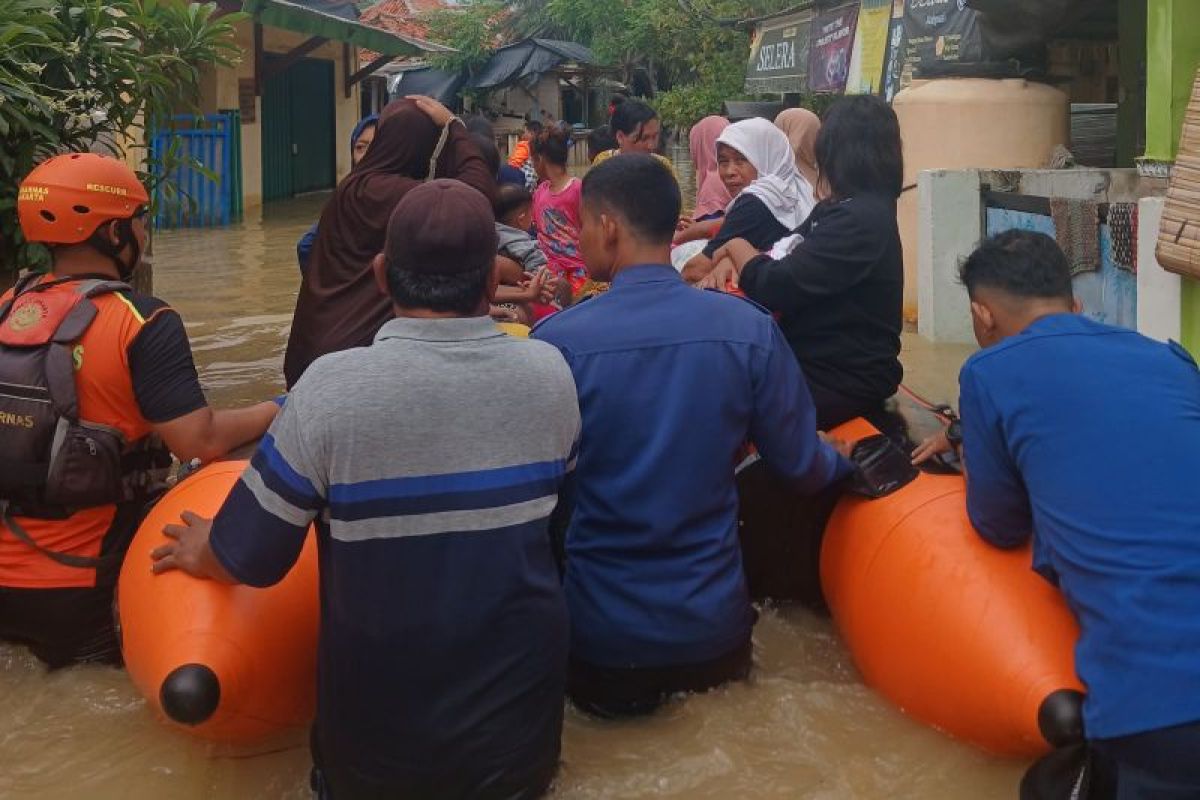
pixel 672 381
pixel 442 658
pixel 1086 437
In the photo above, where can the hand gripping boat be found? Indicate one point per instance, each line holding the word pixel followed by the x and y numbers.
pixel 959 634
pixel 225 663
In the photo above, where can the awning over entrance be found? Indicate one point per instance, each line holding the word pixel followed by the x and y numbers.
pixel 779 55
pixel 294 17
pixel 528 60
pixel 440 85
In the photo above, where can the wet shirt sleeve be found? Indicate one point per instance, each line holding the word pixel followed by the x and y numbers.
pixel 304 247
pixel 839 249
pixel 784 428
pixel 259 531
pixel 997 501
pixel 748 219
pixel 165 383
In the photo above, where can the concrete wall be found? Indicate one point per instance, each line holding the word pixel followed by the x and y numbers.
pixel 952 220
pixel 515 103
pixel 220 90
pixel 1167 303
pixel 1158 291
pixel 949 226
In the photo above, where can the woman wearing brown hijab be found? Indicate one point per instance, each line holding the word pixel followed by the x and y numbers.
pixel 801 127
pixel 340 305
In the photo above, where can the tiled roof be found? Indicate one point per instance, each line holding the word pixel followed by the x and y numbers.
pixel 402 16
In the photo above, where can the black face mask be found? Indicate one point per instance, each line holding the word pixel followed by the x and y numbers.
pixel 125 238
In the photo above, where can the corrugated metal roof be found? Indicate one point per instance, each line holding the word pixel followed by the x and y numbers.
pixel 527 59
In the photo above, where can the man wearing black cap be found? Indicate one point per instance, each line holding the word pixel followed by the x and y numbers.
pixel 443 627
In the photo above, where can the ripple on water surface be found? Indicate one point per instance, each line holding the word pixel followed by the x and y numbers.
pixel 803 727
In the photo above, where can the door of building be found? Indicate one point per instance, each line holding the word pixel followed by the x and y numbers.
pixel 297 130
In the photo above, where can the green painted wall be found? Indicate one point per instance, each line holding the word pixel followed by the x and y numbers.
pixel 1189 318
pixel 1172 57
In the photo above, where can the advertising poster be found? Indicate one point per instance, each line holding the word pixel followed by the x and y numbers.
pixel 940 31
pixel 830 49
pixel 893 68
pixel 870 47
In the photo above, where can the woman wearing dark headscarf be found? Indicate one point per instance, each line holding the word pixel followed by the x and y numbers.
pixel 340 306
pixel 360 141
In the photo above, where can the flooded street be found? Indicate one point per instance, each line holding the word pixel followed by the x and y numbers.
pixel 805 726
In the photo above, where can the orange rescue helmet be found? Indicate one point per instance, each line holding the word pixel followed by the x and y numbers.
pixel 67 197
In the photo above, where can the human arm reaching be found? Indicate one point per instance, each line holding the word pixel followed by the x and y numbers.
pixel 997 499
pixel 167 389
pixel 258 534
pixel 784 428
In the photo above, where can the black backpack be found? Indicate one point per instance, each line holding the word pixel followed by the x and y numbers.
pixel 51 461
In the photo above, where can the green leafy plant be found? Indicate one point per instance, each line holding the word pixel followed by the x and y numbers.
pixel 685 52
pixel 688 55
pixel 471 30
pixel 90 74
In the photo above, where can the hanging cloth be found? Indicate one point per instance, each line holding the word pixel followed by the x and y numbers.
pixel 1077 230
pixel 1122 228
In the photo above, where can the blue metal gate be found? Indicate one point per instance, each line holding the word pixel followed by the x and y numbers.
pixel 203 187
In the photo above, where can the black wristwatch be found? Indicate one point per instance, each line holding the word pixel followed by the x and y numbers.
pixel 954 433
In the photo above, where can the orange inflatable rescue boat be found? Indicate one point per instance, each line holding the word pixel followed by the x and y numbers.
pixel 961 635
pixel 225 663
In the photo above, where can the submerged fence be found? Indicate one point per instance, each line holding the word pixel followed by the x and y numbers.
pixel 203 186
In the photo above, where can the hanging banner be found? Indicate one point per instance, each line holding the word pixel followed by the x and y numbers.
pixel 829 51
pixel 870 47
pixel 940 31
pixel 893 68
pixel 779 55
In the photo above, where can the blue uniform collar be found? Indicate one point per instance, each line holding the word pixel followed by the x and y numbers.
pixel 646 273
pixel 1053 323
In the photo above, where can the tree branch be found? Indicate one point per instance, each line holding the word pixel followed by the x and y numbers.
pixel 749 22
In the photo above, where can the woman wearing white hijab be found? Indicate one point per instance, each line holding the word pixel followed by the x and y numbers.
pixel 771 197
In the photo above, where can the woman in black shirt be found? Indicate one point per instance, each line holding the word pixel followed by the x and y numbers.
pixel 840 290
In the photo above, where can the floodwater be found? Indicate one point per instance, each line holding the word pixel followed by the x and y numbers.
pixel 805 726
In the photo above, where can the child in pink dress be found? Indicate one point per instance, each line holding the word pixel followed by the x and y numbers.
pixel 556 206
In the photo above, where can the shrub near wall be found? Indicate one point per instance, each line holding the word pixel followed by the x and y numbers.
pixel 82 74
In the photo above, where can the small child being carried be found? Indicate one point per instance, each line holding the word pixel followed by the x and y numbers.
pixel 527 286
pixel 514 219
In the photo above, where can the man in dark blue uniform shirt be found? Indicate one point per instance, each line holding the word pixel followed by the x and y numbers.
pixel 1086 437
pixel 672 382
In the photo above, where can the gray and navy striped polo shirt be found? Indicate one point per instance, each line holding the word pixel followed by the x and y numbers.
pixel 431 462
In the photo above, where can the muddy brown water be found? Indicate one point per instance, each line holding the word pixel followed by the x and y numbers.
pixel 804 726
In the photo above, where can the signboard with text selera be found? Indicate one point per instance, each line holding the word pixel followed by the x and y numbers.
pixel 779 55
